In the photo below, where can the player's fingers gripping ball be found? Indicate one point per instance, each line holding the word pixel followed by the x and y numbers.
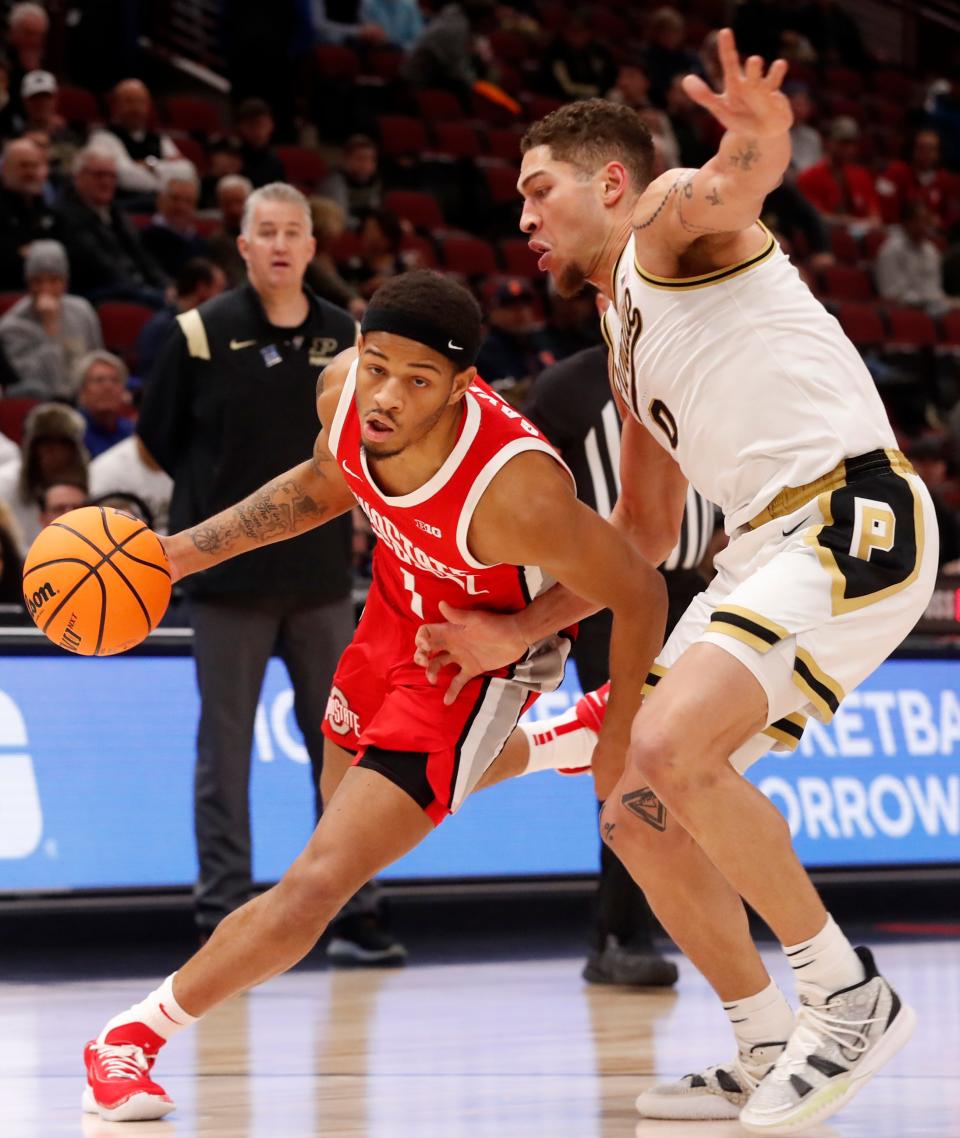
pixel 96 581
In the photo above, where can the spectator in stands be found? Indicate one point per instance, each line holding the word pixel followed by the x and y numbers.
pixel 908 266
pixel 344 22
pixel 171 238
pixel 833 33
pixel 572 324
pixel 924 179
pixel 942 106
pixel 103 400
pixel 447 54
pixel 41 118
pixel 576 64
pixel 665 56
pixel 51 450
pixel 357 185
pixel 107 260
pixel 24 215
pixel 689 124
pixel 840 188
pixel 27 28
pixel 255 127
pixel 46 332
pixel 11 561
pixel 794 220
pixel 223 159
pixel 9 451
pixel 379 258
pixel 198 280
pixel 140 151
pixel 129 469
pixel 8 121
pixel 232 193
pixel 632 88
pixel 400 20
pixel 806 144
pixel 929 457
pixel 322 274
pixel 515 349
pixel 59 498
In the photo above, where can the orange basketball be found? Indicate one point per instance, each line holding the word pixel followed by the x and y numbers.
pixel 96 581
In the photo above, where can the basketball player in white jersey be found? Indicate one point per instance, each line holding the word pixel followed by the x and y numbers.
pixel 735 378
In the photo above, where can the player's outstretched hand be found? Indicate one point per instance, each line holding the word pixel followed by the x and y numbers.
pixel 470 640
pixel 750 103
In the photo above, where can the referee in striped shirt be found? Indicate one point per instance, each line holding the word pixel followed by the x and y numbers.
pixel 571 403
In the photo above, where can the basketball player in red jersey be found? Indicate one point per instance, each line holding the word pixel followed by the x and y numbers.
pixel 472 507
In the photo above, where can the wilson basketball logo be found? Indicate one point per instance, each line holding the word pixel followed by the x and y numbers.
pixel 45 593
pixel 339 714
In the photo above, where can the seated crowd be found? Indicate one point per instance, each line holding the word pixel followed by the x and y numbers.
pixel 119 212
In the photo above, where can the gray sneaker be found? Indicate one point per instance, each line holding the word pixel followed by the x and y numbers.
pixel 717 1092
pixel 837 1046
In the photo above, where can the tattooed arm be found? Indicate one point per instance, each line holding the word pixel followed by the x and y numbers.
pixel 726 194
pixel 292 503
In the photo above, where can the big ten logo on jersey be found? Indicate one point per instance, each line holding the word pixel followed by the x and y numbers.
pixel 624 363
pixel 411 554
pixel 505 409
pixel 21 819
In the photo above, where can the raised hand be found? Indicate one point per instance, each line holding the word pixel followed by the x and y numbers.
pixel 750 103
pixel 470 640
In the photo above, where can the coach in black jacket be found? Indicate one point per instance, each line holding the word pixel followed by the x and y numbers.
pixel 231 403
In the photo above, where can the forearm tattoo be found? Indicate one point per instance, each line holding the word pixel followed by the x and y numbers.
pixel 279 509
pixel 647 807
pixel 685 195
pixel 747 156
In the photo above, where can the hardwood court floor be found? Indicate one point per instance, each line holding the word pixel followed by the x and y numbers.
pixel 519 1049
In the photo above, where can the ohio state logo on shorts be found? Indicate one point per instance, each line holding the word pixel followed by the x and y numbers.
pixel 339 716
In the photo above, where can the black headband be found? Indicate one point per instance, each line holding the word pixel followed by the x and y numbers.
pixel 461 349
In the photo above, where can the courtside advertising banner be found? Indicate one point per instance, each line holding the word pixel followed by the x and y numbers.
pixel 96 775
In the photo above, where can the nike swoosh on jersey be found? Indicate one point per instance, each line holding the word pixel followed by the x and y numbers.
pixel 803 521
pixel 236 345
pixel 349 471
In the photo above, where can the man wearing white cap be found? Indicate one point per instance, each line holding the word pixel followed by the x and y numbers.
pixel 42 121
pixel 46 332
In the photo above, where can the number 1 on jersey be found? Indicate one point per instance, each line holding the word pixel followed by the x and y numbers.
pixel 410 584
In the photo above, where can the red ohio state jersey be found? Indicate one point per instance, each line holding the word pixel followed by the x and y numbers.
pixel 421 556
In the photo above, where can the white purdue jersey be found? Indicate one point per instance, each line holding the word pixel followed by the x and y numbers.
pixel 742 376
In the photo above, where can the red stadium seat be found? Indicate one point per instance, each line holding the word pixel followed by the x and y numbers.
pixel 383 63
pixel 344 246
pixel 872 240
pixel 893 84
pixel 8 300
pixel 844 245
pixel 12 413
pixel 910 328
pixel 402 136
pixel 76 104
pixel 468 255
pixel 418 208
pixel 121 322
pixel 519 260
pixel 437 105
pixel 335 62
pixel 509 47
pixel 842 79
pixel 207 224
pixel 191 113
pixel 504 144
pixel 846 282
pixel 456 140
pixel 539 106
pixel 191 149
pixel 501 184
pixel 302 165
pixel 862 324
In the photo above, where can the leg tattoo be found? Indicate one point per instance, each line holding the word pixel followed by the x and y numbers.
pixel 647 807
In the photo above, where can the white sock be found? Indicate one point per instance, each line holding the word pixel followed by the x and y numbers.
pixel 763 1018
pixel 826 962
pixel 159 1011
pixel 562 743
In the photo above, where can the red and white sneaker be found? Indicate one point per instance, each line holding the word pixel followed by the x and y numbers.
pixel 592 708
pixel 119 1087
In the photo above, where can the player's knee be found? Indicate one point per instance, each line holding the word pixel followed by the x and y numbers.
pixel 313 892
pixel 655 757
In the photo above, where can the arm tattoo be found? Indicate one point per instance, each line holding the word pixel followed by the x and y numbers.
pixel 746 156
pixel 647 807
pixel 714 197
pixel 656 213
pixel 279 509
pixel 687 195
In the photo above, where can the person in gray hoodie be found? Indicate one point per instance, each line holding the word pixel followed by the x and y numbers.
pixel 45 333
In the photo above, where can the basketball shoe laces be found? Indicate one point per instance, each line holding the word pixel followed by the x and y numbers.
pixel 813 1024
pixel 123 1060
